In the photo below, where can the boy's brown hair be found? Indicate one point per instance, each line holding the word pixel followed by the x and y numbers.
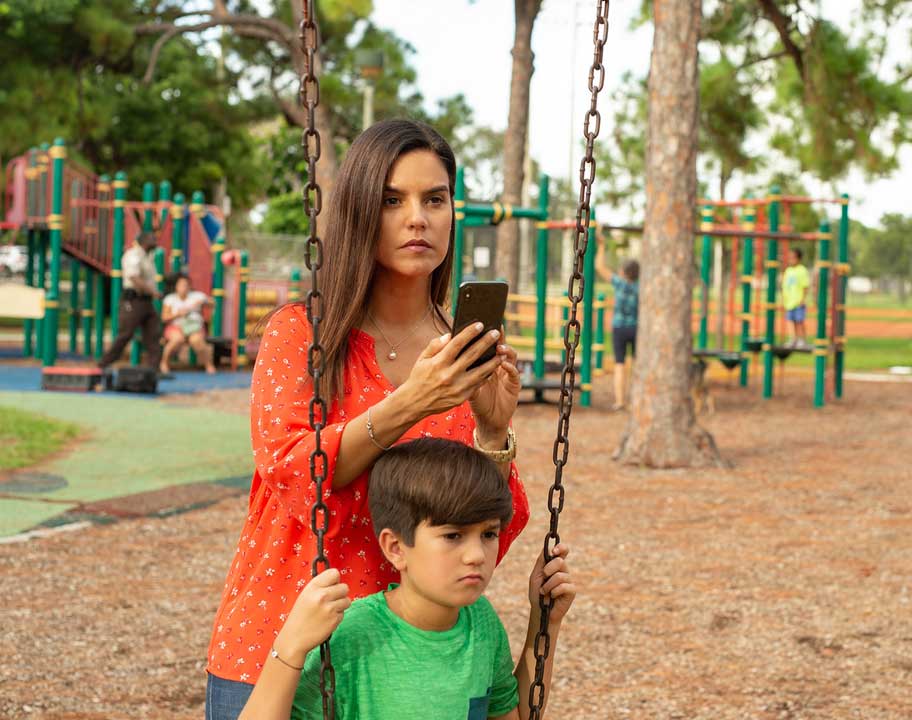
pixel 441 481
pixel 631 270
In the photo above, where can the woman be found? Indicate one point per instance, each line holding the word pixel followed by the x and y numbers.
pixel 183 319
pixel 624 321
pixel 392 373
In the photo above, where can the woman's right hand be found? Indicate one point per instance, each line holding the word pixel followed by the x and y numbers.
pixel 440 380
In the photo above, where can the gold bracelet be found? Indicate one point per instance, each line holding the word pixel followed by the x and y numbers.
pixel 274 653
pixel 498 456
pixel 370 432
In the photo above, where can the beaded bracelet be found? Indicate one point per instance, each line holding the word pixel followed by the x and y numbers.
pixel 274 653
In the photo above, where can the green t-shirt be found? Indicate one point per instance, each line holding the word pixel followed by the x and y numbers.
pixel 795 280
pixel 388 669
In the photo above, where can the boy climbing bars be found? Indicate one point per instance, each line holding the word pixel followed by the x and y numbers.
pixel 795 284
pixel 430 646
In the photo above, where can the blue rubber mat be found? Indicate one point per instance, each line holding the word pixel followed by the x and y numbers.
pixel 27 378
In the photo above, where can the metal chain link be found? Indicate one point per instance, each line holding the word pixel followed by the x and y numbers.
pixel 309 94
pixel 591 127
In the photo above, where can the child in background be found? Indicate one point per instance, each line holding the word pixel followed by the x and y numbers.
pixel 183 318
pixel 430 646
pixel 624 320
pixel 795 284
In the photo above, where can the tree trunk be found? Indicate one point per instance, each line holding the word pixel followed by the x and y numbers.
pixel 662 431
pixel 507 264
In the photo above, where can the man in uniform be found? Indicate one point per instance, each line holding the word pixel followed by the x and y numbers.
pixel 136 308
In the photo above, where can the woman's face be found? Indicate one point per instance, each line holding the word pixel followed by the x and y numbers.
pixel 182 287
pixel 416 216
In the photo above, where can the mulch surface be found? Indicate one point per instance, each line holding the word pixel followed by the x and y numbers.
pixel 776 589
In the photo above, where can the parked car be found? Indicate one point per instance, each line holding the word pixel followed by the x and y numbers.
pixel 13 259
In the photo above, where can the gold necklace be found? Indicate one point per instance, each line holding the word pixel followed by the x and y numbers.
pixel 392 354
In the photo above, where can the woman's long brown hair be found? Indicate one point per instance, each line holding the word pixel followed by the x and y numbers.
pixel 353 232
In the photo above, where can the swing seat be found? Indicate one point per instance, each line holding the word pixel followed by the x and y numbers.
pixel 783 352
pixel 731 360
pixel 708 353
pixel 753 344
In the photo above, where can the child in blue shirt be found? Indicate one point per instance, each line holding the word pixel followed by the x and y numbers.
pixel 626 287
pixel 430 646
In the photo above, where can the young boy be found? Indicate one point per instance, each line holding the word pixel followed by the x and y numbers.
pixel 624 322
pixel 431 646
pixel 795 283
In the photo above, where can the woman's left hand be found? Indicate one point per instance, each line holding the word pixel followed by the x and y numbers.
pixel 494 402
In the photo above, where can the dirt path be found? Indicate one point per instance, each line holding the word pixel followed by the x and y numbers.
pixel 777 589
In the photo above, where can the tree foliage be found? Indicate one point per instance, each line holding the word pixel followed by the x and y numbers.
pixel 782 90
pixel 72 68
pixel 885 252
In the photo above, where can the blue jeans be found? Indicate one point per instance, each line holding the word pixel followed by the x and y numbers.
pixel 225 698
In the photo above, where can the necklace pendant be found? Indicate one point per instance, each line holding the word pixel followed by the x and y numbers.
pixel 391 355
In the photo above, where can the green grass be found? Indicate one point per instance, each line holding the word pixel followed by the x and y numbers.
pixel 878 301
pixel 26 438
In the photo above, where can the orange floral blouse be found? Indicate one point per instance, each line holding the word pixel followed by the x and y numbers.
pixel 272 561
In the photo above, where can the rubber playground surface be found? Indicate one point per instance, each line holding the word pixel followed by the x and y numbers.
pixel 140 455
pixel 776 589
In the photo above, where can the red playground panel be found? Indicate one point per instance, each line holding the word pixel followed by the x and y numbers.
pixel 71 379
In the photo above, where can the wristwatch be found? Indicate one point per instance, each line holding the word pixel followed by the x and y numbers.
pixel 498 456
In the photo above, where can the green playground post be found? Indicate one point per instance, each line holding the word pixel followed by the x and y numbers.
pixel 159 259
pixel 747 277
pixel 458 234
pixel 55 225
pixel 841 278
pixel 294 285
pixel 120 199
pixel 600 333
pixel 28 326
pixel 87 312
pixel 164 198
pixel 705 264
pixel 772 262
pixel 588 291
pixel 820 343
pixel 243 272
pixel 42 242
pixel 73 319
pixel 178 217
pixel 40 213
pixel 218 286
pixel 541 280
pixel 198 208
pixel 99 315
pixel 33 244
pixel 104 209
pixel 148 198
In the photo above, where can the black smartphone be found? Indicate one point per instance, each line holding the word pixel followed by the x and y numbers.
pixel 481 301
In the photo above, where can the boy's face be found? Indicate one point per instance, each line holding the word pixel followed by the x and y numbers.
pixel 451 565
pixel 793 258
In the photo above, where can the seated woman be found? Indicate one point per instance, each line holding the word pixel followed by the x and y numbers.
pixel 183 319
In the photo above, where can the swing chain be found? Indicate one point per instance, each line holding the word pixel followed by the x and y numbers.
pixel 309 95
pixel 591 127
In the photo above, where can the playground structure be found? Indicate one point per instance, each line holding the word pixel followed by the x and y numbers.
pixel 768 223
pixel 547 311
pixel 757 326
pixel 64 209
